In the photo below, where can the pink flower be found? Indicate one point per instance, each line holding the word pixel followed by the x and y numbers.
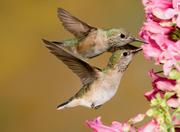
pixel 174 12
pixel 164 14
pixel 97 126
pixel 173 102
pixel 160 85
pixel 137 118
pixel 161 15
pixel 164 9
pixel 152 27
pixel 152 126
pixel 151 4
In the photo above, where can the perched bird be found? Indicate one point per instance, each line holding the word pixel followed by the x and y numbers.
pixel 98 85
pixel 91 41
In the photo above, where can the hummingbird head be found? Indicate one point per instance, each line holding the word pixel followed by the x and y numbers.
pixel 126 58
pixel 122 37
pixel 122 58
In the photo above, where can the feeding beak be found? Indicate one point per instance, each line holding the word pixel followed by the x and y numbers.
pixel 138 40
pixel 136 50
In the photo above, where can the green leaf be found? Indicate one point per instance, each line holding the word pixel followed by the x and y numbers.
pixel 178 116
pixel 158 96
pixel 168 95
pixel 175 35
pixel 177 110
pixel 154 102
pixel 174 74
pixel 150 112
pixel 163 103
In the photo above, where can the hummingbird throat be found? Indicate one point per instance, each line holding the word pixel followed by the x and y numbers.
pixel 114 59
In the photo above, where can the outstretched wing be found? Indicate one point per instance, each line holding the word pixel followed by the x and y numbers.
pixel 86 72
pixel 77 27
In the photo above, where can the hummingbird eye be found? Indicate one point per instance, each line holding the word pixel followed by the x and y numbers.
pixel 122 35
pixel 125 53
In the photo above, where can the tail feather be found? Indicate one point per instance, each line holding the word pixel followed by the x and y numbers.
pixel 58 43
pixel 47 42
pixel 62 106
pixel 72 102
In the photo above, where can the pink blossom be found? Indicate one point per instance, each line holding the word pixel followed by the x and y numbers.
pixel 176 6
pixel 152 126
pixel 97 126
pixel 160 17
pixel 150 94
pixel 173 102
pixel 164 9
pixel 160 85
pixel 152 27
pixel 137 118
pixel 151 51
pixel 164 14
pixel 151 4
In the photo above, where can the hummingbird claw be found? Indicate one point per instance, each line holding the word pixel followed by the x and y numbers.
pixel 92 105
pixel 95 107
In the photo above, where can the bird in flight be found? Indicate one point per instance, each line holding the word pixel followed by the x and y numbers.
pixel 98 85
pixel 90 41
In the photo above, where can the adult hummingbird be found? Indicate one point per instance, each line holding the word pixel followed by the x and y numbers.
pixel 90 41
pixel 98 85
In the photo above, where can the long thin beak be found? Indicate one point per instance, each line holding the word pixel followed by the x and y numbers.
pixel 136 50
pixel 139 40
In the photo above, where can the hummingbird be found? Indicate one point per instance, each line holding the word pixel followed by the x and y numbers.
pixel 90 41
pixel 98 85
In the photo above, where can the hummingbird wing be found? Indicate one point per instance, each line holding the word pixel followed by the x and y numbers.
pixel 77 27
pixel 85 71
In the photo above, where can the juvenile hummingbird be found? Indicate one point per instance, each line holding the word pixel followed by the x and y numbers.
pixel 90 41
pixel 98 85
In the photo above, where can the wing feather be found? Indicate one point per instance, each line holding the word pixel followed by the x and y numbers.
pixel 77 27
pixel 85 71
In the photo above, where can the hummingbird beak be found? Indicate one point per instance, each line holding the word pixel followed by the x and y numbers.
pixel 136 50
pixel 138 40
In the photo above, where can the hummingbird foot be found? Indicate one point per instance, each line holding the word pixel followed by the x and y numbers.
pixel 95 107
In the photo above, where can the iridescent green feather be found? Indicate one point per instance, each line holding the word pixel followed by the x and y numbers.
pixel 71 42
pixel 112 32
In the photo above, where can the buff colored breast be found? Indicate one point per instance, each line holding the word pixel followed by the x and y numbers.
pixel 94 44
pixel 104 88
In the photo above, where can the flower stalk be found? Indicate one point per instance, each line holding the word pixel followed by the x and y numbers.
pixel 161 31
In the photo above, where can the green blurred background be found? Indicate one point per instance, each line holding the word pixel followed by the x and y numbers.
pixel 33 82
